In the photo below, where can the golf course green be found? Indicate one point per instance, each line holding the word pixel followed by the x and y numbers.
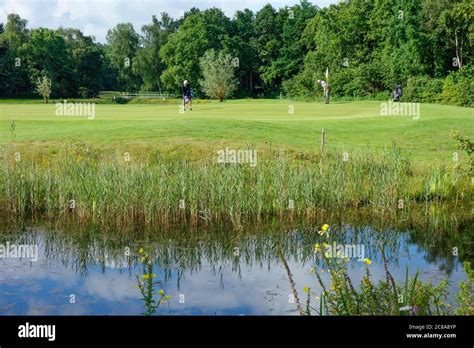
pixel 349 126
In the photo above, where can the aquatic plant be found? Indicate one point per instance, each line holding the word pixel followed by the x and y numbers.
pixel 146 284
pixel 85 186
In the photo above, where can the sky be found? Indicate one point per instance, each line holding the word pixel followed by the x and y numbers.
pixel 95 17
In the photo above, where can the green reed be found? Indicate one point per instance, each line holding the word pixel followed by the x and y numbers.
pixel 86 186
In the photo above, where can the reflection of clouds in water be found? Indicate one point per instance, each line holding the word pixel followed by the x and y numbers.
pixel 104 287
pixel 13 271
pixel 258 291
pixel 43 287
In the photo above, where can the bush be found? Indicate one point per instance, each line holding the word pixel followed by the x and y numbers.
pixel 302 86
pixel 120 100
pixel 423 89
pixel 465 296
pixel 458 88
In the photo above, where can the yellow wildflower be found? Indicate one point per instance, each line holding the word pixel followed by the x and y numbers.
pixel 367 261
pixel 322 233
pixel 145 276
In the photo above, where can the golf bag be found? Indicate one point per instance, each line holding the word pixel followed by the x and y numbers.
pixel 397 93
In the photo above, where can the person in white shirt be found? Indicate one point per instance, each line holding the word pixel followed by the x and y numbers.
pixel 326 88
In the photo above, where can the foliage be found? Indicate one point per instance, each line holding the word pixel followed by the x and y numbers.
pixel 218 74
pixel 43 87
pixel 385 297
pixel 122 46
pixel 464 143
pixel 459 87
pixel 146 284
pixel 465 296
pixel 423 89
pixel 151 190
pixel 369 47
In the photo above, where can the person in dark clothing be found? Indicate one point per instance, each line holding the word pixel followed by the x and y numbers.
pixel 187 97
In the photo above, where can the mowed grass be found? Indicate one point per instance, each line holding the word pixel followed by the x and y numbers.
pixel 350 126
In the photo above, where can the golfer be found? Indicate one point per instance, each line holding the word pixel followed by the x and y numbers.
pixel 327 90
pixel 187 97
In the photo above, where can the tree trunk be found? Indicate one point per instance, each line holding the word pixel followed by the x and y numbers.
pixel 459 59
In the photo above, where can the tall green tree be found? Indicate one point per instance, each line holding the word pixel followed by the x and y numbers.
pixel 242 45
pixel 268 32
pixel 13 68
pixel 122 46
pixel 148 63
pixel 199 32
pixel 457 28
pixel 46 54
pixel 88 61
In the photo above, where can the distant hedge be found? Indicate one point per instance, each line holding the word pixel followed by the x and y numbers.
pixel 423 89
pixel 456 89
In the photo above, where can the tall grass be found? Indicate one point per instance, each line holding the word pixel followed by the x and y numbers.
pixel 149 191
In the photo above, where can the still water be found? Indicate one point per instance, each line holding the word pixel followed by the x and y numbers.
pixel 208 271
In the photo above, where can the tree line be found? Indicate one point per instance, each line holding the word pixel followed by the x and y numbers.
pixel 368 47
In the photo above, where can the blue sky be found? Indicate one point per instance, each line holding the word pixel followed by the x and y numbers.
pixel 95 17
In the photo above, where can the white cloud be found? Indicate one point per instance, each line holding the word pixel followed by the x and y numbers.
pixel 95 17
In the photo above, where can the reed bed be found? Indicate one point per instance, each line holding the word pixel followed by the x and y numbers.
pixel 168 191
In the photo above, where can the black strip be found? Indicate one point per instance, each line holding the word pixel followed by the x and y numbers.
pixel 259 330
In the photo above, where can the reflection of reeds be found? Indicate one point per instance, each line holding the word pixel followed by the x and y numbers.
pixel 204 192
pixel 382 297
pixel 292 283
pixel 187 245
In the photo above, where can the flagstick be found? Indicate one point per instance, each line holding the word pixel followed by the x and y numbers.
pixel 327 81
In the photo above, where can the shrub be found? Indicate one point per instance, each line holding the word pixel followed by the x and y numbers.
pixel 423 89
pixel 301 85
pixel 458 88
pixel 120 100
pixel 465 296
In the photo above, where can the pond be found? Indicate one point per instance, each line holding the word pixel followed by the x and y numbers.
pixel 256 270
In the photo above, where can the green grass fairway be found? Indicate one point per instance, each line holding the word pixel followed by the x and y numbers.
pixel 349 126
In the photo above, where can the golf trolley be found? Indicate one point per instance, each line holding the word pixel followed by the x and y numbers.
pixel 397 93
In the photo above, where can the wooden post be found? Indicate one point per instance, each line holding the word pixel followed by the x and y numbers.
pixel 323 139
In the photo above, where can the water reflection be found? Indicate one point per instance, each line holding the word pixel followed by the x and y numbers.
pixel 211 271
